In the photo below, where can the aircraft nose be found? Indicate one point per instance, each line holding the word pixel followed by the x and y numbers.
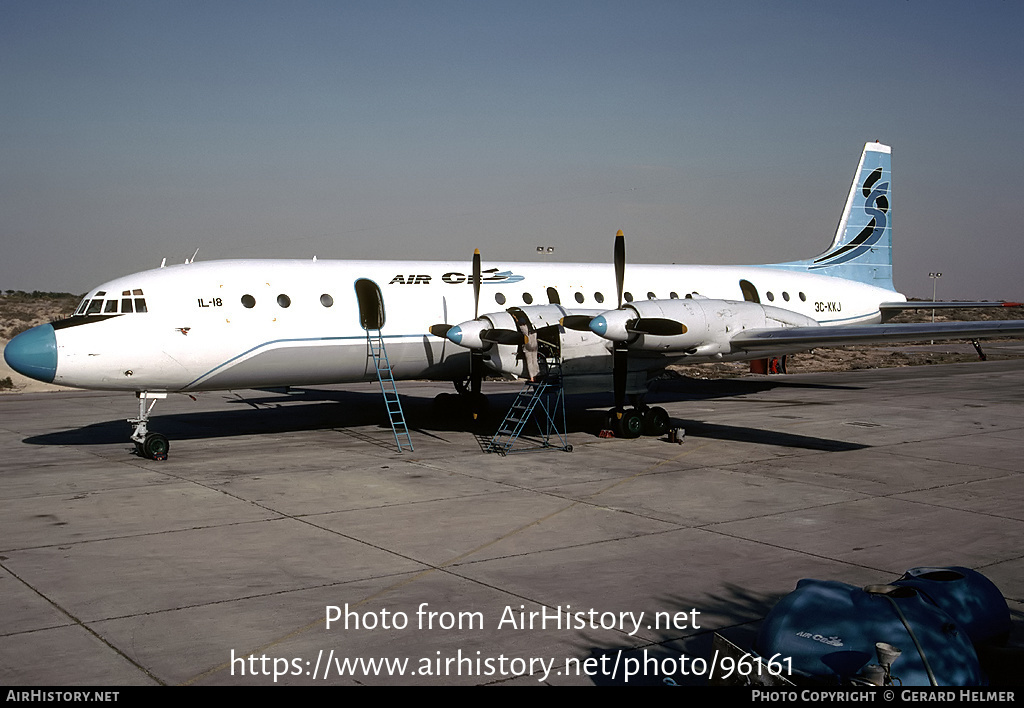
pixel 33 353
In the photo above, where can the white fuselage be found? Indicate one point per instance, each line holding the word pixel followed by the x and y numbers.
pixel 303 326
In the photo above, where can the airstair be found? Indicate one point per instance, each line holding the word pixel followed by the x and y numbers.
pixel 543 401
pixel 375 347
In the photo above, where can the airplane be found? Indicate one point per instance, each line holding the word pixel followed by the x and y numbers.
pixel 266 324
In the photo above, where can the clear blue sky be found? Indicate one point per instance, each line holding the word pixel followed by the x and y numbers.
pixel 711 132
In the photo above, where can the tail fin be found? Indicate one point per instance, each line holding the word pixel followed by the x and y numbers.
pixel 862 247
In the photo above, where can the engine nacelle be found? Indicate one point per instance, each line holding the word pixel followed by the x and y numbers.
pixel 580 352
pixel 468 334
pixel 707 325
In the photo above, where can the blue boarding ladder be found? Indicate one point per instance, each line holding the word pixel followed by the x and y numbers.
pixel 375 345
pixel 542 400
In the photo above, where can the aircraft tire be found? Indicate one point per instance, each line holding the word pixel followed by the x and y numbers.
pixel 630 425
pixel 656 422
pixel 156 446
pixel 478 404
pixel 445 404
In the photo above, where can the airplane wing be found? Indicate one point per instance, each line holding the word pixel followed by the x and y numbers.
pixel 809 337
pixel 894 307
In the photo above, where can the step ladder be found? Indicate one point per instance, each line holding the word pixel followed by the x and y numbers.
pixel 543 401
pixel 375 347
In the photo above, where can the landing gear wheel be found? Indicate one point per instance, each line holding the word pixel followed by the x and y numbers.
pixel 478 405
pixel 156 446
pixel 656 422
pixel 445 404
pixel 630 425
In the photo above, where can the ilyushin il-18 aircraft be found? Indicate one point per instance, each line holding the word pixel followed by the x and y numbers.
pixel 237 324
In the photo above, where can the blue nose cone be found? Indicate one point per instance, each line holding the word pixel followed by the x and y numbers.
pixel 455 335
pixel 599 325
pixel 34 353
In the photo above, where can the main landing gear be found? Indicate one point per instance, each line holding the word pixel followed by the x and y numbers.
pixel 634 422
pixel 466 402
pixel 150 445
pixel 469 400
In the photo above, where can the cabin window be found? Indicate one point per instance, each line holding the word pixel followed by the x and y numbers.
pixel 248 302
pixel 528 298
pixel 599 297
pixel 673 295
pixel 628 297
pixel 283 300
pixel 771 296
pixel 803 298
pixel 785 296
pixel 499 298
pixel 579 297
pixel 652 296
pixel 326 300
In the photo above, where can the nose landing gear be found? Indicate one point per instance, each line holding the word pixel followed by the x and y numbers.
pixel 153 446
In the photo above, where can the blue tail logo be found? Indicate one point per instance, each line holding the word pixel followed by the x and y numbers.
pixel 876 206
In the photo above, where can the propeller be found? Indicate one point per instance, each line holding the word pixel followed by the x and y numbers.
pixel 476 283
pixel 621 322
pixel 441 329
pixel 620 354
pixel 477 335
pixel 657 326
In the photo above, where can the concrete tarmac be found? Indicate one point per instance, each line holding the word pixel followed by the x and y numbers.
pixel 273 508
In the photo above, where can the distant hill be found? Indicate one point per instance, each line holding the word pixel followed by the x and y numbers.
pixel 20 310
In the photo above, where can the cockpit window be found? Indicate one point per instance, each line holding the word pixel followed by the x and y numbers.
pixel 130 301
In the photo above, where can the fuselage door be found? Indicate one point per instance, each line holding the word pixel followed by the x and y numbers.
pixel 749 291
pixel 371 304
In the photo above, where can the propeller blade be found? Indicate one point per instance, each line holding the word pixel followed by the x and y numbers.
pixel 440 330
pixel 502 336
pixel 657 326
pixel 619 370
pixel 580 323
pixel 620 264
pixel 476 283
